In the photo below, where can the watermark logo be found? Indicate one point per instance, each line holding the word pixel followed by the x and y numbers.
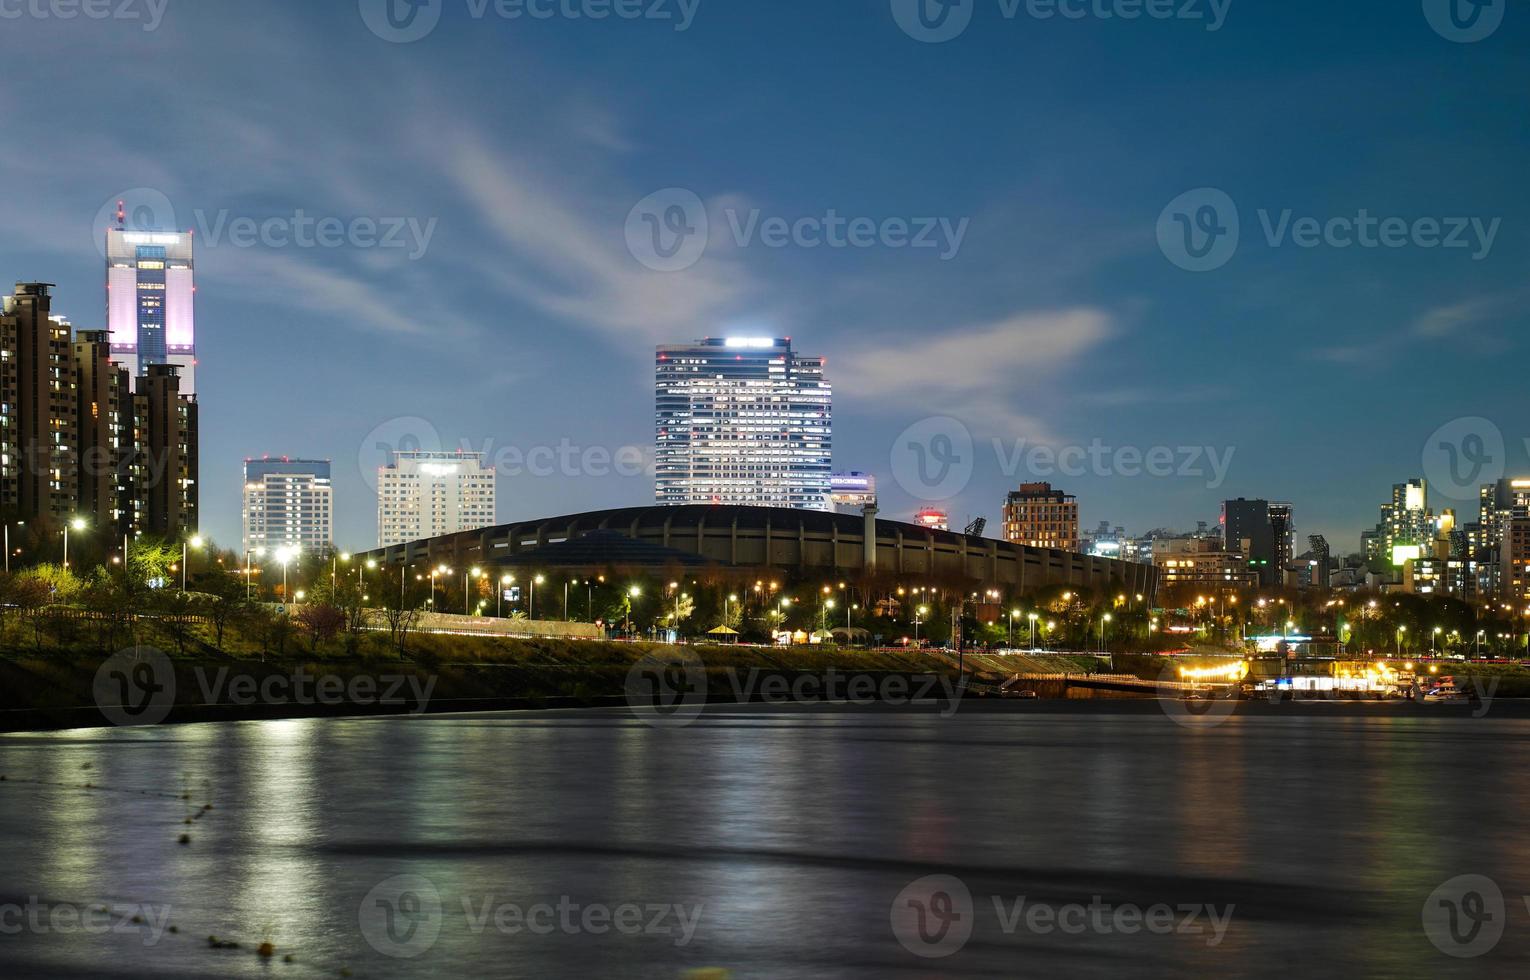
pixel 303 230
pixel 933 459
pixel 1465 916
pixel 150 12
pixel 1464 454
pixel 933 21
pixel 860 690
pixel 932 917
pixel 1199 230
pixel 409 434
pixel 1465 21
pixel 1199 698
pixel 401 917
pixel 401 21
pixel 668 230
pixel 135 686
pixel 39 917
pixel 667 690
pixel 144 210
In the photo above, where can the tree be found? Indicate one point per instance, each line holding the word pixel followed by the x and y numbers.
pixel 401 609
pixel 177 616
pixel 224 601
pixel 321 621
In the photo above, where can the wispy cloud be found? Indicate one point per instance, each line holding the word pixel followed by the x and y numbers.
pixel 978 373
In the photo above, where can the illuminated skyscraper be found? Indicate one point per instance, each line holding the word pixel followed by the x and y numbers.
pixel 742 420
pixel 150 300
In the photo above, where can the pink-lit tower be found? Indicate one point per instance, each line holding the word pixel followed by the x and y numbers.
pixel 151 299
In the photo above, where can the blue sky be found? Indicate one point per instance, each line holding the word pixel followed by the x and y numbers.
pixel 523 146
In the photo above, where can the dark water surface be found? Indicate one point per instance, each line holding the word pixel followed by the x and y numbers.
pixel 776 843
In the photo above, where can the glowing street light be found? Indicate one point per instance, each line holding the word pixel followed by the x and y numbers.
pixel 78 524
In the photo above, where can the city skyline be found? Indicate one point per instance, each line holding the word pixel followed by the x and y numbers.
pixel 1058 321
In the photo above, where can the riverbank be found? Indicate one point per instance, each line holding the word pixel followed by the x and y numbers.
pixel 443 674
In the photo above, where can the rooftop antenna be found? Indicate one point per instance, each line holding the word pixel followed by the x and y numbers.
pixel 121 215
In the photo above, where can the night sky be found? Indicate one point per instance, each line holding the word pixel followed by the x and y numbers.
pixel 522 146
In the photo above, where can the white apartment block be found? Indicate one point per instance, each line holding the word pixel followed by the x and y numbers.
pixel 288 503
pixel 428 494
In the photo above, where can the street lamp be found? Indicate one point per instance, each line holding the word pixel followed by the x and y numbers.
pixel 78 524
pixel 467 602
pixel 919 618
pixel 1400 631
pixel 1103 647
pixel 195 542
pixel 249 568
pixel 531 605
pixel 1033 617
pixel 505 581
pixel 632 594
pixel 285 554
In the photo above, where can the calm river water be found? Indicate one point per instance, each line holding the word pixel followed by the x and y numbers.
pixel 1013 839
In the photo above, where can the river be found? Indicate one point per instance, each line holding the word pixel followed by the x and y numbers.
pixel 1006 839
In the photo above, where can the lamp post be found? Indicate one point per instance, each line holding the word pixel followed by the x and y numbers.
pixel 918 618
pixel 632 594
pixel 1033 617
pixel 1400 631
pixel 531 606
pixel 78 524
pixel 1103 647
pixel 8 546
pixel 505 581
pixel 249 567
pixel 566 584
pixel 1434 639
pixel 434 572
pixel 467 601
pixel 195 542
pixel 285 554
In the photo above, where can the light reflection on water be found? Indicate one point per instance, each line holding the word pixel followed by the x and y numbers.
pixel 792 831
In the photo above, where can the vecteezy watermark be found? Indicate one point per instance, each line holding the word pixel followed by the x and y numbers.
pixel 303 230
pixel 667 690
pixel 1462 455
pixel 938 21
pixel 670 230
pixel 408 434
pixel 135 686
pixel 1465 21
pixel 1200 230
pixel 402 917
pixel 146 211
pixel 40 918
pixel 149 13
pixel 565 459
pixel 141 210
pixel 935 916
pixel 138 686
pixel 405 21
pixel 835 687
pixel 1465 916
pixel 934 459
pixel 1209 463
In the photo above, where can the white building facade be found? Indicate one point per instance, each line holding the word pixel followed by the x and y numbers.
pixel 288 503
pixel 428 494
pixel 742 420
